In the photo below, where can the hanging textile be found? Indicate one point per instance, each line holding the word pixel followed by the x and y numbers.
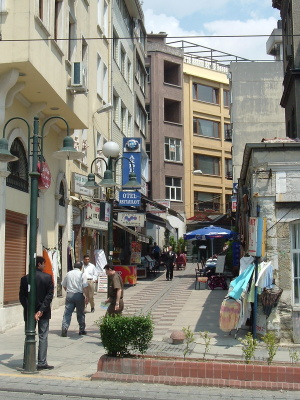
pixel 100 261
pixel 48 264
pixel 240 284
pixel 265 275
pixel 245 262
pixel 229 314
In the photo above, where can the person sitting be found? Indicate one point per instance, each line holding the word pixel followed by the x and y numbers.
pixel 180 260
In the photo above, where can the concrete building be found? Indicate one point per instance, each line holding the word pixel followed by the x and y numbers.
pixel 290 15
pixel 269 187
pixel 165 145
pixel 255 112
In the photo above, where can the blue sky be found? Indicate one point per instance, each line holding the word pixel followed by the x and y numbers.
pixel 215 17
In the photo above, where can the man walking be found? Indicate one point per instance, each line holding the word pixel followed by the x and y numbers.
pixel 44 296
pixel 170 262
pixel 114 291
pixel 92 276
pixel 76 285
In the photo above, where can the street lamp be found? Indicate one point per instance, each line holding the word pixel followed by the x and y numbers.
pixel 111 151
pixel 67 152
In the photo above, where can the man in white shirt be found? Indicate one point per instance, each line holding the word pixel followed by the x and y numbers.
pixel 92 276
pixel 76 285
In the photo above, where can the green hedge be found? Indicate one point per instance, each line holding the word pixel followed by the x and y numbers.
pixel 122 334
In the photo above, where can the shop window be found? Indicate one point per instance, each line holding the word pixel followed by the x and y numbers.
pixel 18 178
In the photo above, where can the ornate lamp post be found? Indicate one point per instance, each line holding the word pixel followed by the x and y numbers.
pixel 111 150
pixel 35 142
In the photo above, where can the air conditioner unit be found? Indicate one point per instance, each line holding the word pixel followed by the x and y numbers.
pixel 78 76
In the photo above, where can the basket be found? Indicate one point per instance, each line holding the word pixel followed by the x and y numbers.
pixel 270 298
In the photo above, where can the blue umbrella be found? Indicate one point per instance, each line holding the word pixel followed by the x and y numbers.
pixel 210 232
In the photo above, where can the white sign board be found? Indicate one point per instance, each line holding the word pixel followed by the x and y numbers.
pixel 131 219
pixel 78 181
pixel 252 236
pixel 91 217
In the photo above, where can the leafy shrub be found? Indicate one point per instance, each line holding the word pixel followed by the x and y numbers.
pixel 271 344
pixel 121 334
pixel 249 345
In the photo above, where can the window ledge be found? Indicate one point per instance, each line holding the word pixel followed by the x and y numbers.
pixel 57 47
pixel 173 123
pixel 42 25
pixel 207 137
pixel 174 161
pixel 207 102
pixel 173 85
pixel 296 308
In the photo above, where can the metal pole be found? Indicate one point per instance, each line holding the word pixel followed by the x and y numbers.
pixel 110 226
pixel 30 348
pixel 255 299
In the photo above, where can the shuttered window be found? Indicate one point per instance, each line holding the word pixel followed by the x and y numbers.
pixel 15 255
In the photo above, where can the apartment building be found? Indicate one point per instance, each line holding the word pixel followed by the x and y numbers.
pixel 50 66
pixel 207 137
pixel 165 144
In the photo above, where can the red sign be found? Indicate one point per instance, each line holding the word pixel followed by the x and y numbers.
pixel 44 180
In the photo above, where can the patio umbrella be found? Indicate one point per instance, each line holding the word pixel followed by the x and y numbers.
pixel 210 232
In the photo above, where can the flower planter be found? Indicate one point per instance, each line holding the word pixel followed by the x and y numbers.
pixel 176 371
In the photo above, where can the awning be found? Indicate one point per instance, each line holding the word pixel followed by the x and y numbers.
pixel 162 207
pixel 155 219
pixel 140 236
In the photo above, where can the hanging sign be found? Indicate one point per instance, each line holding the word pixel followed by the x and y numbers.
pixel 129 198
pixel 44 180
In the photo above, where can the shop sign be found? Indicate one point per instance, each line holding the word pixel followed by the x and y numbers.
pixel 44 180
pixel 132 152
pixel 91 217
pixel 131 219
pixel 105 211
pixel 155 210
pixel 130 199
pixel 78 181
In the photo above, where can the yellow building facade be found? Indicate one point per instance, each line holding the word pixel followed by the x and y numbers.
pixel 207 140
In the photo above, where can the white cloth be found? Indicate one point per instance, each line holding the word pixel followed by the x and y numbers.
pixel 101 261
pixel 75 281
pixel 265 275
pixel 245 262
pixel 90 271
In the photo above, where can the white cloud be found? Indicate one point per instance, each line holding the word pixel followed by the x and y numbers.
pixel 250 48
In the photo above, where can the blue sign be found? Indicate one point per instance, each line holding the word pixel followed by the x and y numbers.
pixel 235 187
pixel 132 160
pixel 130 199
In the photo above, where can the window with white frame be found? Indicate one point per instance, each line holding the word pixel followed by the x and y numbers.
pixel 123 124
pixel 173 188
pixel 141 118
pixel 173 149
pixel 105 83
pixel 129 72
pixel 99 76
pixel 71 38
pixel 123 60
pixel 102 16
pixel 295 251
pixel 2 6
pixel 129 125
pixel 43 11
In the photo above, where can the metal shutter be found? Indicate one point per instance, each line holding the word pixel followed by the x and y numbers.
pixel 15 255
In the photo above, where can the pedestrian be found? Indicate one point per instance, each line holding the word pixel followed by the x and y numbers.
pixel 76 285
pixel 170 262
pixel 156 252
pixel 44 296
pixel 115 291
pixel 92 276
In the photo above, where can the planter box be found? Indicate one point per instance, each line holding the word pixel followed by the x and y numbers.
pixel 203 373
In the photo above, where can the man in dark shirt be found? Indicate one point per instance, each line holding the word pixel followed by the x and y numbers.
pixel 115 291
pixel 44 296
pixel 170 262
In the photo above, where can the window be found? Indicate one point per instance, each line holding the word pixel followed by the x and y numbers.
pixel 295 250
pixel 207 164
pixel 148 150
pixel 129 125
pixel 228 168
pixel 105 83
pixel 99 76
pixel 62 200
pixel 58 20
pixel 172 111
pixel 206 201
pixel 116 101
pixel 172 149
pixel 205 93
pixel 148 111
pixel 123 58
pixel 105 18
pixel 140 117
pixel 71 38
pixel 18 178
pixel 129 79
pixel 173 188
pixel 227 132
pixel 206 127
pixel 172 73
pixel 140 74
pixel 226 98
pixel 116 47
pixel 148 71
pixel 123 120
